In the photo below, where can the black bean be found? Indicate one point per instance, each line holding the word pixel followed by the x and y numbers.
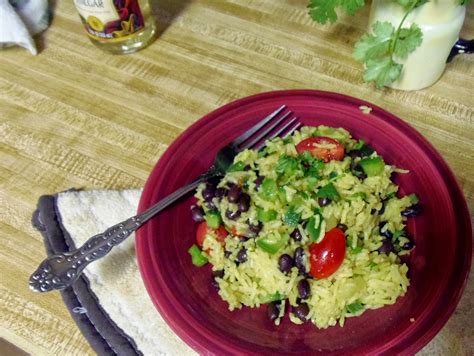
pixel 354 154
pixel 357 170
pixel 234 194
pixel 296 235
pixel 197 213
pixel 232 215
pixel 299 260
pixel 258 182
pixel 219 273
pixel 244 202
pixel 210 205
pixel 387 234
pixel 324 201
pixel 414 210
pixel 285 263
pixel 382 209
pixel 386 248
pixel 241 255
pixel 213 181
pixel 247 167
pixel 243 238
pixel 209 192
pixel 304 289
pixel 343 227
pixel 408 245
pixel 255 229
pixel 273 310
pixel 301 311
pixel 221 192
pixel 366 150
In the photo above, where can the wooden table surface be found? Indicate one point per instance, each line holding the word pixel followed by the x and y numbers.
pixel 74 116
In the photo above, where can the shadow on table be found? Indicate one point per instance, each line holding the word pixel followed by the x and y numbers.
pixel 166 12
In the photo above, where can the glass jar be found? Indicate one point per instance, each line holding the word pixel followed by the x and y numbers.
pixel 440 21
pixel 118 26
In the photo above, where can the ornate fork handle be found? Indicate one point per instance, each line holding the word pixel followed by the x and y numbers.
pixel 62 270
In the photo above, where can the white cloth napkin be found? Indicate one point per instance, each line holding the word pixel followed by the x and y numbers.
pixel 116 280
pixel 20 20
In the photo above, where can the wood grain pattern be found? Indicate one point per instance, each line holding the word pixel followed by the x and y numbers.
pixel 74 116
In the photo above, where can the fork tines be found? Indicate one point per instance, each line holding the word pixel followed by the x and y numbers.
pixel 270 127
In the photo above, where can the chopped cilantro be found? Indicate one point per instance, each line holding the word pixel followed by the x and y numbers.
pixel 355 307
pixel 292 217
pixel 328 191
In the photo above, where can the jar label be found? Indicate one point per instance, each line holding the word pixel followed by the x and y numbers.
pixel 110 19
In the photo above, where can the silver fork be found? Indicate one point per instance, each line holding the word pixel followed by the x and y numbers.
pixel 62 270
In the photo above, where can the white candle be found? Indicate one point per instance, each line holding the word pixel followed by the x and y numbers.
pixel 440 21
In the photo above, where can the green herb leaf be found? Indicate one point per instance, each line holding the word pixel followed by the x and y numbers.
pixel 382 71
pixel 314 227
pixel 409 39
pixel 351 6
pixel 359 145
pixel 374 45
pixel 355 307
pixel 323 11
pixel 397 234
pixel 292 217
pixel 328 191
pixel 413 198
pixel 287 166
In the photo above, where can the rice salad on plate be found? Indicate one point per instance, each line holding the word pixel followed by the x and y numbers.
pixel 310 226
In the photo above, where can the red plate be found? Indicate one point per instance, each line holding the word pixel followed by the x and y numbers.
pixel 439 265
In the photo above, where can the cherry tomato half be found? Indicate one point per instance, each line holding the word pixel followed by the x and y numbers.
pixel 327 256
pixel 203 229
pixel 318 147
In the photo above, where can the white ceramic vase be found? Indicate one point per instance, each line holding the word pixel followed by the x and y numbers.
pixel 440 21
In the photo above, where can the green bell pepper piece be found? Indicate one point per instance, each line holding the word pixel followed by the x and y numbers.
pixel 266 215
pixel 213 219
pixel 236 167
pixel 197 257
pixel 372 166
pixel 272 243
pixel 269 189
pixel 271 298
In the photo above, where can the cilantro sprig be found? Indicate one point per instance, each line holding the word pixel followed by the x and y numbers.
pixel 385 46
pixel 324 11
